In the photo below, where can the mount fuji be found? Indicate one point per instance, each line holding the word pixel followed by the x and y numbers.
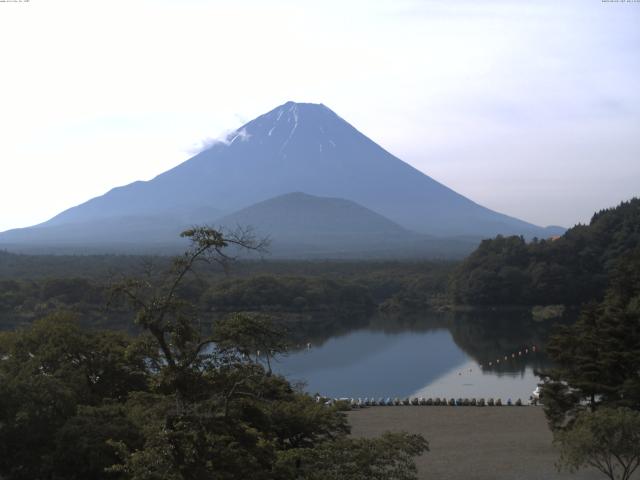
pixel 299 148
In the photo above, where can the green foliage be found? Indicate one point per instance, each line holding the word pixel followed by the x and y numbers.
pixel 570 270
pixel 384 458
pixel 269 293
pixel 422 291
pixel 83 448
pixel 291 291
pixel 547 312
pixel 251 335
pixel 598 358
pixel 180 401
pixel 47 374
pixel 607 439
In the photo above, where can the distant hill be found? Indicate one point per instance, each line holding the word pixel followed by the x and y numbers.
pixel 302 217
pixel 302 225
pixel 297 147
pixel 306 223
pixel 570 269
pixel 298 226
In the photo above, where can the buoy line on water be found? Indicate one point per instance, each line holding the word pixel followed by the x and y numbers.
pixel 422 401
pixel 520 353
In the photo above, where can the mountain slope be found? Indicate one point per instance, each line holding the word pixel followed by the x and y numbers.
pixel 298 148
pixel 135 234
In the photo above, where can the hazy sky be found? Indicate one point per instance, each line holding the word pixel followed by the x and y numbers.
pixel 531 108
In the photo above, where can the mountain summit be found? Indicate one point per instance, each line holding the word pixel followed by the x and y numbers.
pixel 297 147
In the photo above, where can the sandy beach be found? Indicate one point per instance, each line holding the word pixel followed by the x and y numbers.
pixel 474 443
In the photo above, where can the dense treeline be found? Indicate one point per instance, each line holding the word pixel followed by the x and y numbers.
pixel 569 270
pixel 289 293
pixel 597 359
pixel 342 290
pixel 34 267
pixel 23 301
pixel 591 396
pixel 20 266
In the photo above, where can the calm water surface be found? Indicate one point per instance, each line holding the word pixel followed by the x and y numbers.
pixel 441 358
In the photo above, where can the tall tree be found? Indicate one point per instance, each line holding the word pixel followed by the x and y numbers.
pixel 173 322
pixel 607 440
pixel 215 411
pixel 180 401
pixel 598 358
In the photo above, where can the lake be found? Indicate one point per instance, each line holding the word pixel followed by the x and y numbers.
pixel 426 356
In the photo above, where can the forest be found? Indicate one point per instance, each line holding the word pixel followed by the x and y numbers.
pixel 571 269
pixel 176 400
pixel 339 289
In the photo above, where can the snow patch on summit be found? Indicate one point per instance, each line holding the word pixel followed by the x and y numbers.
pixel 294 110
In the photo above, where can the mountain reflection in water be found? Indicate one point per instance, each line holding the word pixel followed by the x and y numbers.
pixel 424 355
